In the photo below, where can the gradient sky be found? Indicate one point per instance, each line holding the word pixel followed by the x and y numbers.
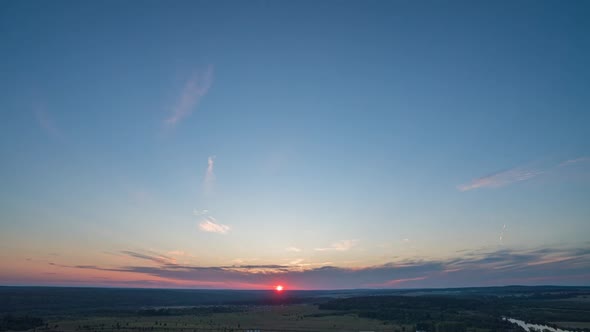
pixel 316 144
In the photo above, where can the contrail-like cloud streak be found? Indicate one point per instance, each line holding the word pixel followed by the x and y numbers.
pixel 209 181
pixel 501 179
pixel 519 174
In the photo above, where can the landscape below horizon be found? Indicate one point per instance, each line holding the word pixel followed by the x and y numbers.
pixel 438 310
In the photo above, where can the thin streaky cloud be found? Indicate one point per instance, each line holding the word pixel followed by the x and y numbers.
pixel 517 174
pixel 293 249
pixel 297 261
pixel 200 212
pixel 575 161
pixel 209 181
pixel 501 179
pixel 502 234
pixel 149 256
pixel 394 282
pixel 194 90
pixel 211 225
pixel 343 245
pixel 210 165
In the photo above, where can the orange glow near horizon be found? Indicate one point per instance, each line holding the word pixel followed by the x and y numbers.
pixel 279 288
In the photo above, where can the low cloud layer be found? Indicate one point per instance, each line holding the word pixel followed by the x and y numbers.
pixel 567 266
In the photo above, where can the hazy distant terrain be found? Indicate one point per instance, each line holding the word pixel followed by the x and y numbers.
pixel 466 309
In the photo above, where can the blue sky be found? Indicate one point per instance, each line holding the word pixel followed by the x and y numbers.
pixel 296 136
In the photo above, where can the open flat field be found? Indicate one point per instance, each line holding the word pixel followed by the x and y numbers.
pixel 305 317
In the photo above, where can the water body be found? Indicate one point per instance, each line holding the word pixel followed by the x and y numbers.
pixel 533 327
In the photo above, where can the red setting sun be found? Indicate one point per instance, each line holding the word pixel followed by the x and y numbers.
pixel 279 288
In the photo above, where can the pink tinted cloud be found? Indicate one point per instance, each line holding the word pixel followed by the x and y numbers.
pixel 211 225
pixel 470 268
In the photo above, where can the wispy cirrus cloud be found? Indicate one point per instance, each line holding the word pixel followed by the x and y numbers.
pixel 149 256
pixel 208 223
pixel 200 212
pixel 502 234
pixel 195 88
pixel 293 249
pixel 522 173
pixel 209 180
pixel 395 282
pixel 575 161
pixel 343 245
pixel 211 225
pixel 501 179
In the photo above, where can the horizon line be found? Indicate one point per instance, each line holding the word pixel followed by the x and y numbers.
pixel 290 289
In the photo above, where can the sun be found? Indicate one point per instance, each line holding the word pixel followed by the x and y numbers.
pixel 279 288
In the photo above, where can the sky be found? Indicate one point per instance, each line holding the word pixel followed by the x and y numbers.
pixel 313 144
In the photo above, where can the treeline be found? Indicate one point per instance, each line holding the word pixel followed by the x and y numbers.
pixel 534 310
pixel 428 313
pixel 407 302
pixel 71 300
pixel 19 323
pixel 557 296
